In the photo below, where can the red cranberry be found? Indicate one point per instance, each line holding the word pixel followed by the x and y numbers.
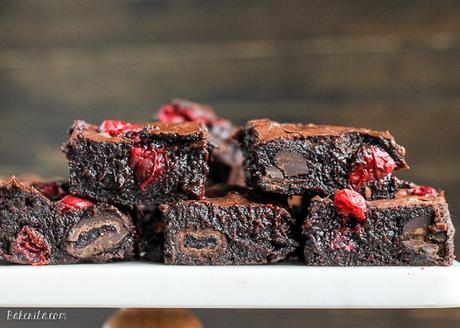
pixel 349 203
pixel 116 128
pixel 52 190
pixel 148 164
pixel 32 245
pixel 73 204
pixel 424 191
pixel 372 163
pixel 180 112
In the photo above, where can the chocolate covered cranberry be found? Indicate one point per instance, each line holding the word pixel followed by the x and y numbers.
pixel 32 246
pixel 116 128
pixel 73 204
pixel 371 163
pixel 148 163
pixel 349 203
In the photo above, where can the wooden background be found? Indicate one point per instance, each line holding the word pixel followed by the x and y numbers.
pixel 381 64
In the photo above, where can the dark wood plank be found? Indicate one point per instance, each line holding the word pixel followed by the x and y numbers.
pixel 87 22
pixel 315 70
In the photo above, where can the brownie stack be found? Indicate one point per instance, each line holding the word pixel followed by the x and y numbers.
pixel 192 189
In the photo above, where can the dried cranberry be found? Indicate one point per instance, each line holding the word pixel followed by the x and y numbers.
pixel 32 245
pixel 424 191
pixel 52 190
pixel 184 111
pixel 349 203
pixel 72 204
pixel 148 164
pixel 371 163
pixel 116 128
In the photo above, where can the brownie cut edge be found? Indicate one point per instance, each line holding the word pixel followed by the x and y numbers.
pixel 229 230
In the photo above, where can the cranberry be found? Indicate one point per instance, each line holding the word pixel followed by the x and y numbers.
pixel 72 204
pixel 349 203
pixel 32 245
pixel 184 111
pixel 424 191
pixel 116 128
pixel 52 190
pixel 372 163
pixel 148 164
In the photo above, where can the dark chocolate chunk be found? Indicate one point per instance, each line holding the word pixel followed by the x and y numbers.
pixel 291 164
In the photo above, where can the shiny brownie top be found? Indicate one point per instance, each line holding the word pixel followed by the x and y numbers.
pixel 117 131
pixel 267 130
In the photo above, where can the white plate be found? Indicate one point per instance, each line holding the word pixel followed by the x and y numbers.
pixel 275 286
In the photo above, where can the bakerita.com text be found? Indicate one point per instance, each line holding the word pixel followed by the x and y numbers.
pixel 38 315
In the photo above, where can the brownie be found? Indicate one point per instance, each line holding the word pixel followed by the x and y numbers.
pixel 230 230
pixel 411 229
pixel 133 164
pixel 295 159
pixel 226 161
pixel 149 226
pixel 41 224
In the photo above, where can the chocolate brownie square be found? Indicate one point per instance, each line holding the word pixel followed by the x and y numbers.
pixel 41 224
pixel 149 224
pixel 230 230
pixel 226 161
pixel 132 164
pixel 296 159
pixel 414 228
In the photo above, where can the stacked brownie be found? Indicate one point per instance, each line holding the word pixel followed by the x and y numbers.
pixel 193 189
pixel 352 210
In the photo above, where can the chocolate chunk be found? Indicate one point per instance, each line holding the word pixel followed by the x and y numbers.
pixel 417 245
pixel 205 242
pixel 274 173
pixel 291 164
pixel 96 235
pixel 418 226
